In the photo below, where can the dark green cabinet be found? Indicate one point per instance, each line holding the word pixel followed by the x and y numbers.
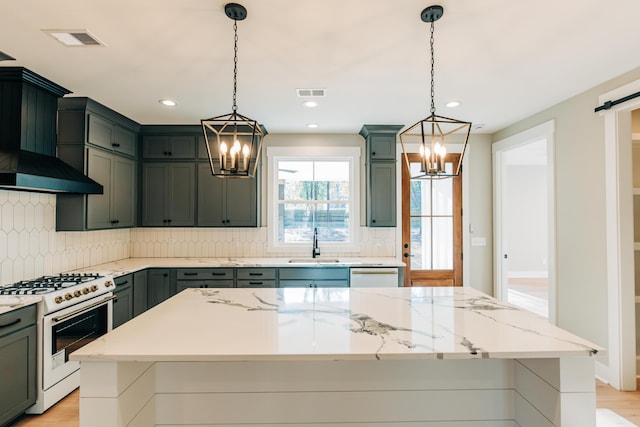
pixel 169 147
pixel 256 277
pixel 314 277
pixel 139 292
pixel 168 194
pixel 381 200
pixel 204 278
pixel 381 191
pixel 161 285
pixel 123 303
pixel 102 144
pixel 17 362
pixel 228 202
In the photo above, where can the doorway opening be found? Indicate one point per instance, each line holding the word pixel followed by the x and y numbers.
pixel 524 213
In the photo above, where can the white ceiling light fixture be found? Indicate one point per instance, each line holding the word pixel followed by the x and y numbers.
pixel 453 104
pixel 312 125
pixel 233 141
pixel 310 104
pixel 75 38
pixel 168 102
pixel 430 133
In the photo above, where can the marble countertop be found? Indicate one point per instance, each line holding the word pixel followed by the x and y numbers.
pixel 333 324
pixel 13 302
pixel 131 265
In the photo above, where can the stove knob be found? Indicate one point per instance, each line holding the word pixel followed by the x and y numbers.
pixel 58 300
pixel 108 283
pixel 94 288
pixel 85 291
pixel 68 296
pixel 77 293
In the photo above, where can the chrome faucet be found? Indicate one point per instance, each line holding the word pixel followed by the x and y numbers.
pixel 316 249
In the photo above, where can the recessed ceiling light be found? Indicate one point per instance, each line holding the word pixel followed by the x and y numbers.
pixel 453 104
pixel 74 38
pixel 312 125
pixel 310 104
pixel 168 102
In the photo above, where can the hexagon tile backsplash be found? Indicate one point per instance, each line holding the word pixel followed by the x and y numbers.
pixel 30 246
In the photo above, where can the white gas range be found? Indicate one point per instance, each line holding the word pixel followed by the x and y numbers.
pixel 74 310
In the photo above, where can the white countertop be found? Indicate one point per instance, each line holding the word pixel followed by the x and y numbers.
pixel 13 302
pixel 333 324
pixel 131 265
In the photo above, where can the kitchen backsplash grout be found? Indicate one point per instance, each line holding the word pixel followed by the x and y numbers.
pixel 30 246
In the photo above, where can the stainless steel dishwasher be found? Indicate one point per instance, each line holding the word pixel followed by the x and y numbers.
pixel 373 277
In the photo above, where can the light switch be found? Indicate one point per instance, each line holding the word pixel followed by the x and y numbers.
pixel 478 241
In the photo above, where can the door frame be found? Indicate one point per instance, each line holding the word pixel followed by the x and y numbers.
pixel 405 220
pixel 621 369
pixel 499 149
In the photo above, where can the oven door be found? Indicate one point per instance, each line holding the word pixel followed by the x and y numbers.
pixel 69 329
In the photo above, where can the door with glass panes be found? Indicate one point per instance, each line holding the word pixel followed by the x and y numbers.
pixel 431 227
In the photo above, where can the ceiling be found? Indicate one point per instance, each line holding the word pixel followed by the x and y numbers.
pixel 503 59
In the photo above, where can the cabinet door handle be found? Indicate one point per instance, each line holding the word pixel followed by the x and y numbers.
pixel 15 322
pixel 373 221
pixel 115 145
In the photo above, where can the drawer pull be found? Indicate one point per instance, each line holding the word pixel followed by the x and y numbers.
pixel 123 283
pixel 256 283
pixel 190 274
pixel 15 322
pixel 218 274
pixel 255 274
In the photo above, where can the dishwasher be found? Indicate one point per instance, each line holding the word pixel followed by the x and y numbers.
pixel 373 277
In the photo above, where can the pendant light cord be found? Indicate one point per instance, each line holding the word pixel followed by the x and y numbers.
pixel 235 64
pixel 433 91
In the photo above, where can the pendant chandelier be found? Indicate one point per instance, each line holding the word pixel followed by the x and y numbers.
pixel 430 133
pixel 233 141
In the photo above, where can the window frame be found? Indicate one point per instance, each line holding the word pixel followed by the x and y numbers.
pixel 307 153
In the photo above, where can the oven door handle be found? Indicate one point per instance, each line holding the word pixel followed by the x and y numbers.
pixel 80 310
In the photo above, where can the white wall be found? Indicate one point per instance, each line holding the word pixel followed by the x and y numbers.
pixel 580 213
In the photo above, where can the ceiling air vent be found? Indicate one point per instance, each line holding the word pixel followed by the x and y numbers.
pixel 74 37
pixel 317 93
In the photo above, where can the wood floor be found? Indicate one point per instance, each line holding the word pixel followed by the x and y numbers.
pixel 65 413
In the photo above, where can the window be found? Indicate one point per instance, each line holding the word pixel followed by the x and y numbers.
pixel 313 188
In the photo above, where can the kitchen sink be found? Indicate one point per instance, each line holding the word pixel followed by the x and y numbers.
pixel 313 261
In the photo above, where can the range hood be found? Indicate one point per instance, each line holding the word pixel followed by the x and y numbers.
pixel 28 110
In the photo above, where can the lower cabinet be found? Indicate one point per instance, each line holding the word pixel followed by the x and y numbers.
pixel 256 278
pixel 314 277
pixel 123 304
pixel 204 278
pixel 161 285
pixel 139 292
pixel 17 362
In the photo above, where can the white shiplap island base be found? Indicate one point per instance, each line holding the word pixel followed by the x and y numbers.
pixel 337 357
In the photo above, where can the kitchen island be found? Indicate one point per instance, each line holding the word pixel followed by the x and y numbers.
pixel 330 357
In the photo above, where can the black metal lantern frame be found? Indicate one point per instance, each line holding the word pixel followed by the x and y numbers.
pixel 234 141
pixel 432 133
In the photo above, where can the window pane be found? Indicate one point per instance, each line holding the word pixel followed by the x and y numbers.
pixel 443 243
pixel 295 222
pixel 420 197
pixel 421 243
pixel 442 197
pixel 332 220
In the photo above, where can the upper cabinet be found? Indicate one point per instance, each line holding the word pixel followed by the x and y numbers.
pixel 102 144
pixel 380 143
pixel 178 188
